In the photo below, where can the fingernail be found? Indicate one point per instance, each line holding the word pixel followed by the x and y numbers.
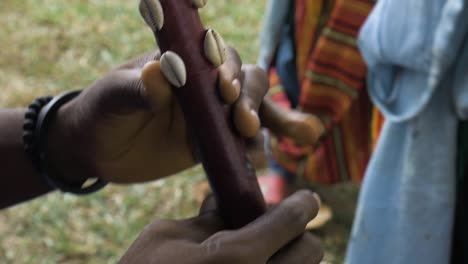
pixel 246 120
pixel 147 71
pixel 237 85
pixel 256 122
pixel 317 197
pixel 254 114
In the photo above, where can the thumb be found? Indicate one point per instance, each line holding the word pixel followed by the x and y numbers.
pixel 208 205
pixel 157 88
pixel 304 129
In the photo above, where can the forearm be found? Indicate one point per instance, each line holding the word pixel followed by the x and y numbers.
pixel 19 181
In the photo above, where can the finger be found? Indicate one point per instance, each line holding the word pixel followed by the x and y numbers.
pixel 208 205
pixel 233 62
pixel 229 88
pixel 281 225
pixel 306 249
pixel 255 86
pixel 301 127
pixel 157 89
pixel 246 119
pixel 229 84
pixel 256 151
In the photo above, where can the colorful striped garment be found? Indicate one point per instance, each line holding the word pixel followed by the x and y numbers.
pixel 332 78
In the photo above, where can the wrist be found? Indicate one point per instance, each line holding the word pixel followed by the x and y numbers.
pixel 63 158
pixel 51 147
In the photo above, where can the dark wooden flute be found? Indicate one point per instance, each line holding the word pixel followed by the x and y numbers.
pixel 190 56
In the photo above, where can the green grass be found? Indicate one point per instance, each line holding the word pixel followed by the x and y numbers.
pixel 48 46
pixel 52 45
pixel 93 229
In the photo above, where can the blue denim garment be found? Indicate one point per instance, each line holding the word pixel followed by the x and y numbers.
pixel 286 62
pixel 275 17
pixel 277 38
pixel 417 53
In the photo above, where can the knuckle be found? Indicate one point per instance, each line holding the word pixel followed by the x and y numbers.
pixel 161 228
pixel 215 247
pixel 261 75
pixel 222 248
pixel 217 241
pixel 255 69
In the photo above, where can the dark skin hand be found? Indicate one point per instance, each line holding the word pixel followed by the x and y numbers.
pixel 127 127
pixel 276 237
pixel 143 136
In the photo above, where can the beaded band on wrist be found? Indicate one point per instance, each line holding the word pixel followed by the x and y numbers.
pixel 35 136
pixel 29 126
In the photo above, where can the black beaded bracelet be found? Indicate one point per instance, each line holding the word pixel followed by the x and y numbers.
pixel 29 126
pixel 35 136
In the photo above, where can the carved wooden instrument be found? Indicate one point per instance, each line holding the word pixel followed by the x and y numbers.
pixel 190 56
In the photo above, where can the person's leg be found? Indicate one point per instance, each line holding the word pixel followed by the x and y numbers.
pixel 285 63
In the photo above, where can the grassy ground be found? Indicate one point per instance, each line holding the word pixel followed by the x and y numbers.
pixel 49 46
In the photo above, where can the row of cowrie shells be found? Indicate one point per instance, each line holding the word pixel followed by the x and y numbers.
pixel 172 66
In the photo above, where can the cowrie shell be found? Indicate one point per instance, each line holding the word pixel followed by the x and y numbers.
pixel 152 13
pixel 214 47
pixel 173 68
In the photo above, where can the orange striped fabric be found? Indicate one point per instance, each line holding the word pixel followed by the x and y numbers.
pixel 332 77
pixel 307 16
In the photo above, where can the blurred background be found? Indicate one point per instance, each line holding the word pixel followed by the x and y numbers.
pixel 48 46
